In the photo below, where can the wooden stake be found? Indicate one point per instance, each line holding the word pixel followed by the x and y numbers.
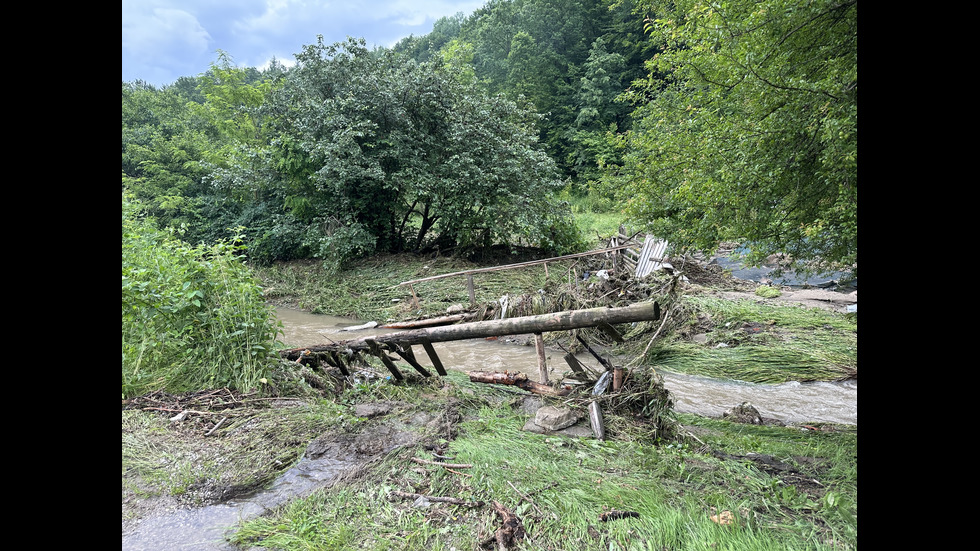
pixel 542 361
pixel 469 287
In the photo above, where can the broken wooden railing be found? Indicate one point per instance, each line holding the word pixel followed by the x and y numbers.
pixel 341 354
pixel 469 273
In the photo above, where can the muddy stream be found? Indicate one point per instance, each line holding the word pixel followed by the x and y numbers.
pixel 202 529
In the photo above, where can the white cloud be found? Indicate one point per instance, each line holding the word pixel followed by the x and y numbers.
pixel 170 30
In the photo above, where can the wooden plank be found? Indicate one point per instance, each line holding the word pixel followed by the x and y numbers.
pixel 409 356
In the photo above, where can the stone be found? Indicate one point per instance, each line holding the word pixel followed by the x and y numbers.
pixel 743 413
pixel 552 418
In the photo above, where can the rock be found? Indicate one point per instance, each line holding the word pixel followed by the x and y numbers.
pixel 552 418
pixel 743 413
pixel 456 309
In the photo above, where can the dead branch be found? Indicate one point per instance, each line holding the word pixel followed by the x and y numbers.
pixel 519 380
pixel 512 529
pixel 440 464
pixel 437 499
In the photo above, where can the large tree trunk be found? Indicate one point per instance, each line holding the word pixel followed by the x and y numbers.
pixel 558 321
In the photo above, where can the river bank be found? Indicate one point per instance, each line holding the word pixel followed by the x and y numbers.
pixel 763 475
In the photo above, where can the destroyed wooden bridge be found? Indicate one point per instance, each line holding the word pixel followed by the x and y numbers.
pixel 342 354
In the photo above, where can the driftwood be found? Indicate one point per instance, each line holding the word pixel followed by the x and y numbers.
pixel 431 322
pixel 440 464
pixel 519 380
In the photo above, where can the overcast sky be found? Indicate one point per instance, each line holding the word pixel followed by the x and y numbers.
pixel 163 40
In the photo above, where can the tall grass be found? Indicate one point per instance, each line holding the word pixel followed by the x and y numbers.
pixel 193 317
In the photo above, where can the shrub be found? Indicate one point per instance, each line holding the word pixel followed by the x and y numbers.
pixel 193 317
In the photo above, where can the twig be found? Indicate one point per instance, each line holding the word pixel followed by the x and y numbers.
pixel 459 473
pixel 653 338
pixel 223 419
pixel 440 464
pixel 437 499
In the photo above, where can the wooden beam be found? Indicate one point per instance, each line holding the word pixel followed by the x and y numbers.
pixel 407 354
pixel 542 361
pixel 376 350
pixel 433 357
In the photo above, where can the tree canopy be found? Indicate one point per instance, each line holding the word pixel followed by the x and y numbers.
pixel 382 153
pixel 746 129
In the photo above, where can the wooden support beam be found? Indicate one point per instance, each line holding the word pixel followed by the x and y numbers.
pixel 376 350
pixel 339 362
pixel 407 354
pixel 542 361
pixel 610 330
pixel 433 357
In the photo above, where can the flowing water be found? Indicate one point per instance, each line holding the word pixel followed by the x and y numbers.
pixel 788 402
pixel 202 529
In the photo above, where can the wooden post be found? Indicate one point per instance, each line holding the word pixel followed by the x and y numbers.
pixel 435 358
pixel 542 362
pixel 415 297
pixel 469 287
pixel 617 378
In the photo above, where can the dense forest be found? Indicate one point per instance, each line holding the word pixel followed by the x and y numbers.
pixel 701 122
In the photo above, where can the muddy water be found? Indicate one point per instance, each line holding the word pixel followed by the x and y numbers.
pixel 789 402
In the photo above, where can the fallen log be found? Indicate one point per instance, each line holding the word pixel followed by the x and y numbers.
pixel 558 321
pixel 431 322
pixel 519 380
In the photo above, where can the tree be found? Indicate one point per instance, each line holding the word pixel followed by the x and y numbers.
pixel 746 129
pixel 387 154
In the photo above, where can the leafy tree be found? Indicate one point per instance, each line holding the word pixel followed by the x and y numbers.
pixel 380 153
pixel 746 129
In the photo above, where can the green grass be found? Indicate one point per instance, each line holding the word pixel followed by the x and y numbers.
pixel 758 343
pixel 559 486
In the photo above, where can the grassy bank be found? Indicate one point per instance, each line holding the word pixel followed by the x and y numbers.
pixel 717 485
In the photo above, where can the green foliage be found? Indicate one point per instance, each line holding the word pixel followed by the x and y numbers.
pixel 746 129
pixel 192 317
pixel 377 152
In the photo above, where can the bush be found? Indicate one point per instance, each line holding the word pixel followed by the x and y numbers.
pixel 192 317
